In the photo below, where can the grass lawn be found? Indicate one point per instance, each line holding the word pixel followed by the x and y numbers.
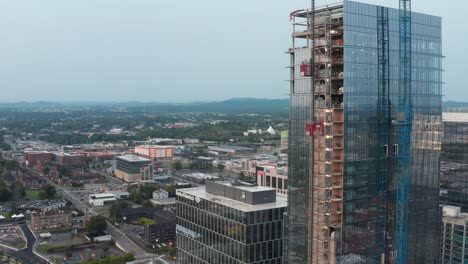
pixel 44 247
pixel 20 245
pixel 146 221
pixel 102 211
pixel 32 194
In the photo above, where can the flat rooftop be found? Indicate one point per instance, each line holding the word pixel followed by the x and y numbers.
pixel 200 192
pixel 154 146
pixel 252 188
pixel 231 147
pixel 132 158
pixel 455 117
pixel 37 152
pixel 201 176
pixel 102 195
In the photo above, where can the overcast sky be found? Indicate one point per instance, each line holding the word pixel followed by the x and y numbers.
pixel 171 50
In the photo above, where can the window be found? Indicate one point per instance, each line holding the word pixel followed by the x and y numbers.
pixel 395 149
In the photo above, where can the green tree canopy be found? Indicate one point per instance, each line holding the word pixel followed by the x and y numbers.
pixel 96 224
pixel 47 192
pixel 177 165
pixel 17 190
pixel 171 189
pixel 10 165
pixel 46 171
pixel 5 194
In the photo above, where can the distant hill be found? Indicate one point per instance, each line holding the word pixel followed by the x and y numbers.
pixel 454 105
pixel 39 104
pixel 234 105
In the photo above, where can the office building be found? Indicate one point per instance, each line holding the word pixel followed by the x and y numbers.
pixel 454 160
pixel 131 168
pixel 454 249
pixel 229 223
pixel 348 120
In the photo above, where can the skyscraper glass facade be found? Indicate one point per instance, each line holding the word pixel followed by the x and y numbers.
pixel 369 171
pixel 454 236
pixel 454 160
pixel 215 230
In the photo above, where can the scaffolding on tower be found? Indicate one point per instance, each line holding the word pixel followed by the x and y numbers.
pixel 404 122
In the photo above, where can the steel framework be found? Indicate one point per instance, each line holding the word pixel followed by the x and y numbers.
pixel 405 119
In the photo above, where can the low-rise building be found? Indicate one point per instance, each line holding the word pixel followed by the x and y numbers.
pixel 154 151
pixel 69 160
pixel 43 220
pixel 231 150
pixel 164 230
pixel 273 176
pixel 46 205
pixel 102 199
pixel 202 163
pixel 131 168
pixel 160 194
pixel 161 198
pixel 32 157
pixel 200 177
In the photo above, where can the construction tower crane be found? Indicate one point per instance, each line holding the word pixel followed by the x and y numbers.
pixel 404 122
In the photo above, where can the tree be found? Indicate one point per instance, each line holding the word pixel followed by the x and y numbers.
pixel 10 165
pixel 220 167
pixel 116 207
pixel 42 195
pixel 64 172
pixel 46 171
pixel 17 190
pixel 136 197
pixel 5 194
pixel 49 191
pixel 96 224
pixel 177 166
pixel 147 204
pixel 242 177
pixel 14 209
pixel 147 191
pixel 171 189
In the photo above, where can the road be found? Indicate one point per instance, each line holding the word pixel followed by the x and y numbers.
pixel 26 256
pixel 31 243
pixel 121 239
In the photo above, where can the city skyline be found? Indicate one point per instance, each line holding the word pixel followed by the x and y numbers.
pixel 133 52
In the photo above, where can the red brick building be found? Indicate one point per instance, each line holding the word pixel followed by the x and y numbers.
pixel 32 157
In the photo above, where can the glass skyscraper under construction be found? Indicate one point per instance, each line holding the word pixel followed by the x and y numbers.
pixel 343 137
